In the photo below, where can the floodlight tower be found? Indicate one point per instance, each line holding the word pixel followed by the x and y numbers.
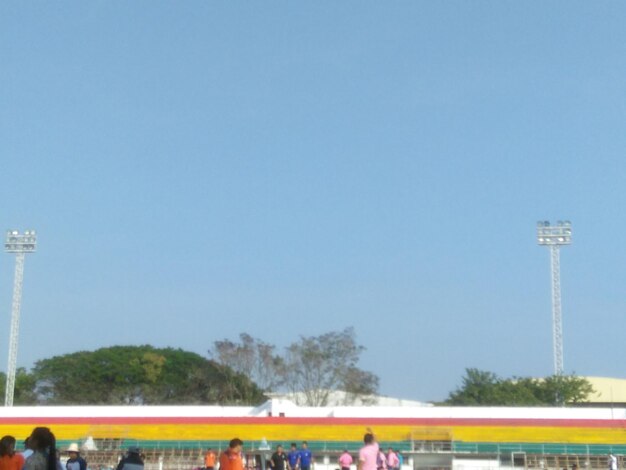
pixel 20 244
pixel 554 237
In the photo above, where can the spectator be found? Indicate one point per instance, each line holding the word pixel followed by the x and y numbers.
pixel 345 460
pixel 293 456
pixel 279 459
pixel 612 462
pixel 75 462
pixel 231 457
pixel 9 459
pixel 368 455
pixel 305 458
pixel 132 460
pixel 44 456
pixel 209 459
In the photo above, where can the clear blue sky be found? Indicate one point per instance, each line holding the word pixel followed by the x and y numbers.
pixel 197 169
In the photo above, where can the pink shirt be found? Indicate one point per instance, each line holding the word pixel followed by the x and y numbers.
pixel 345 460
pixel 368 456
pixel 392 460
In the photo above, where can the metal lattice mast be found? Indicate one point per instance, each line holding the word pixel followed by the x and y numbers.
pixel 554 237
pixel 557 318
pixel 20 244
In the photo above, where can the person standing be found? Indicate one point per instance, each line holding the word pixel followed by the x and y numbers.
pixel 305 458
pixel 231 459
pixel 381 460
pixel 132 460
pixel 293 456
pixel 393 463
pixel 612 462
pixel 9 459
pixel 368 454
pixel 278 461
pixel 209 459
pixel 345 460
pixel 75 462
pixel 44 456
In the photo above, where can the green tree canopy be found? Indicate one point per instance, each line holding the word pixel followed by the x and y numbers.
pixel 140 375
pixel 482 388
pixel 24 393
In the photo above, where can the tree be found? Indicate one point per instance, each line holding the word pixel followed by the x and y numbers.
pixel 140 375
pixel 311 367
pixel 481 388
pixel 253 358
pixel 24 393
pixel 317 365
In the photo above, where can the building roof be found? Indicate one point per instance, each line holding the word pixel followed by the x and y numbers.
pixel 341 398
pixel 607 390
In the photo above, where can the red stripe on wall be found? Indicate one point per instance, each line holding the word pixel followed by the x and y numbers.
pixel 580 423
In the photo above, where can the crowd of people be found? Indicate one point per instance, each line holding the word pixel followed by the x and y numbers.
pixel 41 453
pixel 302 458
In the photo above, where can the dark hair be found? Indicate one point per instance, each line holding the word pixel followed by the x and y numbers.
pixel 7 446
pixel 42 440
pixel 293 444
pixel 305 443
pixel 368 438
pixel 235 442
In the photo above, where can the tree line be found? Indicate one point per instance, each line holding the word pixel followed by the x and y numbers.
pixel 247 370
pixel 242 372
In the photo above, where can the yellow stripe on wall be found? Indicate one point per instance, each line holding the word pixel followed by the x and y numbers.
pixel 278 432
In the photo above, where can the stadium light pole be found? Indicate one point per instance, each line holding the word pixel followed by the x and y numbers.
pixel 20 244
pixel 554 237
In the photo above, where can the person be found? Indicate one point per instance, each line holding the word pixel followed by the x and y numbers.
pixel 231 459
pixel 44 456
pixel 612 462
pixel 368 454
pixel 400 459
pixel 132 460
pixel 345 460
pixel 292 457
pixel 9 459
pixel 381 460
pixel 305 458
pixel 279 459
pixel 393 463
pixel 27 452
pixel 75 462
pixel 209 459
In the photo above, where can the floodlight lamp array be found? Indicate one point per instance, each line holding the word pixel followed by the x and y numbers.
pixel 17 242
pixel 559 234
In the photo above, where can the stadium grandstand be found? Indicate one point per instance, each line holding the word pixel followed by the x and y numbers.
pixel 429 437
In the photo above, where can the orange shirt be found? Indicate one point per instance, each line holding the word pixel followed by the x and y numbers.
pixel 15 462
pixel 209 459
pixel 230 461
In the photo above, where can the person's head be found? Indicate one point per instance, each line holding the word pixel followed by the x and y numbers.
pixel 345 451
pixel 42 440
pixel 134 450
pixel 368 438
pixel 235 445
pixel 73 451
pixel 294 446
pixel 279 449
pixel 390 450
pixel 7 446
pixel 305 444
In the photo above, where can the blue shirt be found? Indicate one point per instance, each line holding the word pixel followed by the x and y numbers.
pixel 293 458
pixel 305 458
